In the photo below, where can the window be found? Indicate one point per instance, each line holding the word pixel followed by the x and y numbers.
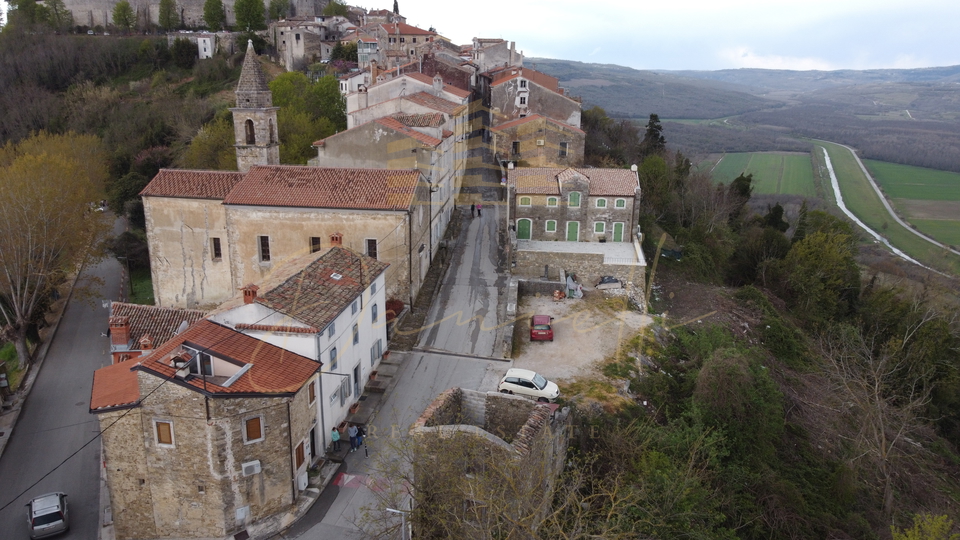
pixel 523 83
pixel 300 455
pixel 215 245
pixel 312 392
pixel 250 132
pixel 264 248
pixel 516 147
pixel 253 429
pixel 376 351
pixel 525 201
pixel 356 334
pixel 344 391
pixel 331 330
pixel 374 315
pixel 601 203
pixel 315 244
pixel 202 364
pixel 573 200
pixel 164 432
pixel 372 248
pixel 335 396
pixel 563 149
pixel 523 100
pixel 620 203
pixel 414 40
pixel 373 288
pixel 402 40
pixel 297 37
pixel 391 40
pixel 333 359
pixel 551 225
pixel 599 227
pixel 354 307
pixel 551 201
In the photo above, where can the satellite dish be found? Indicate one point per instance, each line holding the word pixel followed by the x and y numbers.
pixel 183 326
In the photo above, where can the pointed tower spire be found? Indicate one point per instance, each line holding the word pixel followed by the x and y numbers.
pixel 254 117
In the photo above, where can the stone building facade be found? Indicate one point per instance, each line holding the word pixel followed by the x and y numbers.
pixel 490 458
pixel 538 141
pixel 518 92
pixel 255 117
pixel 210 433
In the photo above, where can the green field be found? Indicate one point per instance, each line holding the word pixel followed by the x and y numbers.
pixel 907 182
pixel 943 230
pixel 773 172
pixel 860 198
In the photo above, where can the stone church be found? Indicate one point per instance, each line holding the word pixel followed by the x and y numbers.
pixel 210 233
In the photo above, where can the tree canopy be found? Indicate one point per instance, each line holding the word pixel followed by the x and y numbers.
pixel 336 7
pixel 47 186
pixel 123 16
pixel 214 14
pixel 251 15
pixel 167 15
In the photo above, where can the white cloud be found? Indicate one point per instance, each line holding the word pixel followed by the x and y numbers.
pixel 743 57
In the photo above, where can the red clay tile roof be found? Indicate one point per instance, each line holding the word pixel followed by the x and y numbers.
pixel 404 29
pixel 114 386
pixel 160 323
pixel 431 101
pixel 420 120
pixel 278 328
pixel 545 180
pixel 314 296
pixel 542 79
pixel 273 371
pixel 519 121
pixel 319 187
pixel 460 92
pixel 396 125
pixel 192 184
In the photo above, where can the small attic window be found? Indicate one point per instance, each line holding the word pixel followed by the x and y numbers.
pixel 336 276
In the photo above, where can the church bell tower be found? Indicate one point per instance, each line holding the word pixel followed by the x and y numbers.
pixel 254 117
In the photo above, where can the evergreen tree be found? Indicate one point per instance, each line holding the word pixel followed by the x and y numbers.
pixel 774 219
pixel 214 14
pixel 396 7
pixel 251 15
pixel 167 15
pixel 653 141
pixel 801 231
pixel 279 9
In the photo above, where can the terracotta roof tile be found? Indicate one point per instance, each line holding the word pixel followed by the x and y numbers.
pixel 315 296
pixel 278 328
pixel 160 323
pixel 405 29
pixel 420 120
pixel 320 187
pixel 191 184
pixel 545 180
pixel 396 125
pixel 273 371
pixel 531 118
pixel 114 386
pixel 503 75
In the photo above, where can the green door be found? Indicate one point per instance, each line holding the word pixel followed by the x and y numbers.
pixel 573 231
pixel 618 232
pixel 523 229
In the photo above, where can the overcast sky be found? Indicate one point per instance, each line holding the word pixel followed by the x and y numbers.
pixel 709 34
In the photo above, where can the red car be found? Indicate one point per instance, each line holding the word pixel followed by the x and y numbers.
pixel 540 329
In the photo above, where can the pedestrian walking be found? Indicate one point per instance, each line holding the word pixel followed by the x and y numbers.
pixel 335 437
pixel 479 207
pixel 352 432
pixel 473 210
pixel 361 433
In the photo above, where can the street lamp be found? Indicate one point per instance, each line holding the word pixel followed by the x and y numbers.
pixel 403 521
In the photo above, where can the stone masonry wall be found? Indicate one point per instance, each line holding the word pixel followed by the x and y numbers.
pixel 506 415
pixel 588 267
pixel 125 465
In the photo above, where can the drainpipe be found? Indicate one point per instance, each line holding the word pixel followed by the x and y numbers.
pixel 320 410
pixel 293 464
pixel 410 256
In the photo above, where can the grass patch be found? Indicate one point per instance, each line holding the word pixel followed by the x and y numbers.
pixel 908 182
pixel 946 231
pixel 8 355
pixel 141 287
pixel 773 172
pixel 594 390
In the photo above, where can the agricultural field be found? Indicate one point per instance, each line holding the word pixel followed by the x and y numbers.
pixel 860 198
pixel 927 198
pixel 773 173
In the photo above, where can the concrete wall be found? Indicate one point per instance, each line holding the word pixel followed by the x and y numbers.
pixel 179 236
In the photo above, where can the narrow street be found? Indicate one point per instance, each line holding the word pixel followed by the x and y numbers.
pixel 55 423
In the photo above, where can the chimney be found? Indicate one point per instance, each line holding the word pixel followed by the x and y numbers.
pixel 362 98
pixel 146 343
pixel 437 84
pixel 250 293
pixel 510 165
pixel 120 331
pixel 336 239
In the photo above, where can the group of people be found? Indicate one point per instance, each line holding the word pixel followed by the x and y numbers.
pixel 356 434
pixel 475 209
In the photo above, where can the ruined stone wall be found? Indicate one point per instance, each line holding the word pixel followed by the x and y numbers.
pixel 125 464
pixel 506 415
pixel 540 144
pixel 180 236
pixel 100 12
pixel 588 266
pixel 506 103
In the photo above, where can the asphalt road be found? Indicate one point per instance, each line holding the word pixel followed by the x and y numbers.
pixel 55 422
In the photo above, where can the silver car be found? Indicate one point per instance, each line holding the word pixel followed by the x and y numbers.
pixel 47 515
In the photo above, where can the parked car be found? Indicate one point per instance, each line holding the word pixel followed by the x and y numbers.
pixel 528 383
pixel 540 328
pixel 47 515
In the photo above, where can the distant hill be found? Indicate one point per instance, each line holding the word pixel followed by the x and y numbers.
pixel 629 93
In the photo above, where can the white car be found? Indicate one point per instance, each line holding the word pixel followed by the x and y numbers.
pixel 47 515
pixel 528 383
